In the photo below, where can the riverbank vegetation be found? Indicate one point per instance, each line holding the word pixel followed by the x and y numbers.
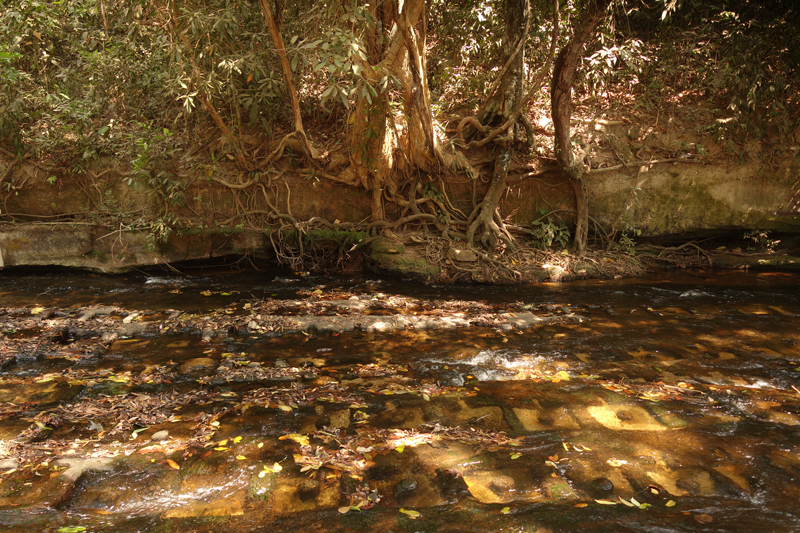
pixel 415 105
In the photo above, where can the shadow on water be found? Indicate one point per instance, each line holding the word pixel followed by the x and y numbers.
pixel 672 405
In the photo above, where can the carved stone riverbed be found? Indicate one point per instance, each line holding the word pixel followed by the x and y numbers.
pixel 270 401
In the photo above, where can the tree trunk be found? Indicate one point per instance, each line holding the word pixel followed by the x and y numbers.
pixel 561 109
pixel 277 41
pixel 508 98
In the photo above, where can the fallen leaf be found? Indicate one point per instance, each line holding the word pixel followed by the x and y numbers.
pixel 241 457
pixel 173 464
pixel 516 455
pixel 413 515
pixel 302 440
pixel 671 503
pixel 582 504
pixel 703 518
pixel 505 510
pixel 36 311
pixel 606 502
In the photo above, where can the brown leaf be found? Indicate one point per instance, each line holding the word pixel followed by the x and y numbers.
pixel 173 464
pixel 704 518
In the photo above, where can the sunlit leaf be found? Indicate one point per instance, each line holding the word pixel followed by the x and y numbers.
pixel 400 449
pixel 285 408
pixel 71 529
pixel 221 448
pixel 237 440
pixel 606 502
pixel 302 440
pixel 505 510
pixel 566 448
pixel 580 505
pixel 671 503
pixel 626 502
pixel 37 310
pixel 45 379
pixel 516 455
pixel 241 457
pixel 411 514
pixel 173 464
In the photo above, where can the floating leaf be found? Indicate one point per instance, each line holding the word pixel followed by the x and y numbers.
pixel 221 448
pixel 285 408
pixel 400 449
pixel 237 440
pixel 671 503
pixel 70 529
pixel 413 515
pixel 505 510
pixel 173 464
pixel 580 505
pixel 241 457
pixel 566 448
pixel 45 379
pixel 516 455
pixel 628 503
pixel 606 502
pixel 617 462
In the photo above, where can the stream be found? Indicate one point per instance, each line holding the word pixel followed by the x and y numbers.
pixel 216 400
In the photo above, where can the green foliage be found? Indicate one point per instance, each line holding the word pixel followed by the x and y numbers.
pixel 548 232
pixel 66 72
pixel 626 244
pixel 150 170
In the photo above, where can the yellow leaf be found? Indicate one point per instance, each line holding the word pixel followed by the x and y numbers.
pixel 173 464
pixel 223 442
pixel 237 440
pixel 37 310
pixel 562 375
pixel 505 510
pixel 263 473
pixel 276 467
pixel 606 502
pixel 302 440
pixel 221 448
pixel 516 455
pixel 400 449
pixel 582 504
pixel 241 457
pixel 566 448
pixel 671 503
pixel 285 408
pixel 413 515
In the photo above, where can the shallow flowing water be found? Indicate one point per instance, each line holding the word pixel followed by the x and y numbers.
pixel 669 403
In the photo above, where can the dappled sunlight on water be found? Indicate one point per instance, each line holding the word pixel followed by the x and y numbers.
pixel 673 404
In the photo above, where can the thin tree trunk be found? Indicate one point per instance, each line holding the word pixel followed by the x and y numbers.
pixel 277 41
pixel 561 109
pixel 509 97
